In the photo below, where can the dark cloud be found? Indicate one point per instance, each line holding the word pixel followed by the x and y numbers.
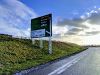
pixel 94 18
pixel 76 22
pixel 93 32
pixel 76 30
pixel 70 33
pixel 90 33
pixel 73 31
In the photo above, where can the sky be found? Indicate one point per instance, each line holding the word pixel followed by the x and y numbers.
pixel 75 21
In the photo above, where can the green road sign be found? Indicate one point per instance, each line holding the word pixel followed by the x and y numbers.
pixel 41 26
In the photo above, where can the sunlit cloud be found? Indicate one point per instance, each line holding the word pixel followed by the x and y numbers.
pixel 59 31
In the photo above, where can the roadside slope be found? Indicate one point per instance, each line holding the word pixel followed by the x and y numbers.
pixel 19 54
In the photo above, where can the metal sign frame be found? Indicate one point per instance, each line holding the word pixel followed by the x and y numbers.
pixel 43 29
pixel 40 27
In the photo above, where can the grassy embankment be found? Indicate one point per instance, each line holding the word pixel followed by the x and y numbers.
pixel 19 54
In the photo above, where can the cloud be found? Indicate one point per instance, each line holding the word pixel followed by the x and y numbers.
pixel 15 17
pixel 93 33
pixel 59 31
pixel 84 25
pixel 70 33
pixel 76 30
pixel 75 25
pixel 76 22
pixel 73 31
pixel 94 18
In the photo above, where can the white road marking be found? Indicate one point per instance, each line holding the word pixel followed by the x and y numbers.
pixel 75 61
pixel 61 71
pixel 66 66
pixel 60 68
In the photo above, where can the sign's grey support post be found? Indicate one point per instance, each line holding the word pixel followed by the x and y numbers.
pixel 50 45
pixel 50 39
pixel 41 43
pixel 33 41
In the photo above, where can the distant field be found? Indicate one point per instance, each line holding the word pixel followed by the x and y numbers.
pixel 19 54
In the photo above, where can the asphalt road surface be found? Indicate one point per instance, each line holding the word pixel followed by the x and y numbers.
pixel 84 63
